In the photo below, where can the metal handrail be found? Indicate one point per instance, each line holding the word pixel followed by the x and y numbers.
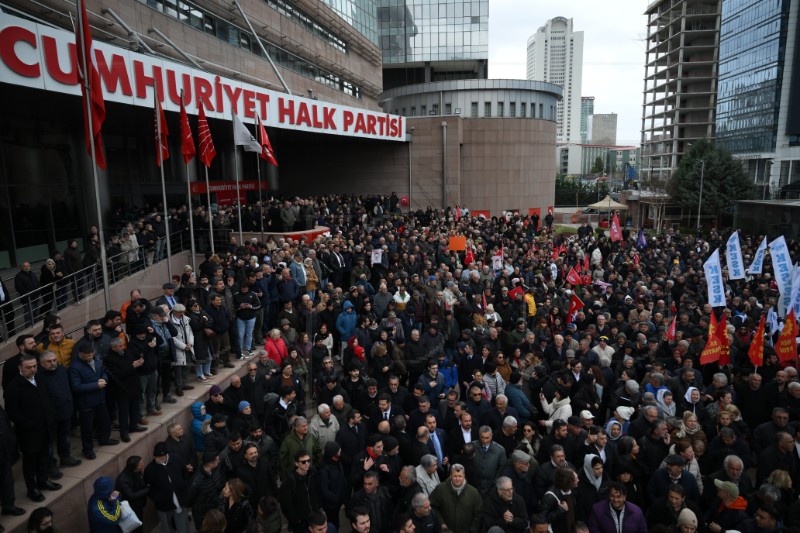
pixel 73 288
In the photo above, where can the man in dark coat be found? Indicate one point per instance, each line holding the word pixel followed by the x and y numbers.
pixel 779 456
pixel 88 380
pixel 121 366
pixel 57 378
pixel 505 509
pixel 204 487
pixel 300 493
pixel 26 284
pixel 30 408
pixel 167 484
pixel 8 452
pixel 375 498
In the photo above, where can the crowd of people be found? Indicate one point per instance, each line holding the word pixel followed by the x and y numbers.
pixel 413 387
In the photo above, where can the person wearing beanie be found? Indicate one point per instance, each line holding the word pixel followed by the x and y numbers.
pixel 245 419
pixel 215 403
pixel 333 484
pixel 687 521
pixel 167 482
pixel 104 508
pixel 132 488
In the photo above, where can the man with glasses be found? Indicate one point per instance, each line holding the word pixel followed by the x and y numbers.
pixel 299 493
pixel 505 509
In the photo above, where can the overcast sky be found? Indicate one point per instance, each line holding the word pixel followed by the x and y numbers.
pixel 613 50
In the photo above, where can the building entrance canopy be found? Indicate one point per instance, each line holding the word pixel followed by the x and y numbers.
pixel 40 57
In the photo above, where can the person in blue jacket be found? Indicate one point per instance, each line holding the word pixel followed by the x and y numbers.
pixel 199 418
pixel 346 322
pixel 104 507
pixel 448 370
pixel 516 396
pixel 88 381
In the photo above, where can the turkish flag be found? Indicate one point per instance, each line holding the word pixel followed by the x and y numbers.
pixel 516 290
pixel 756 351
pixel 187 142
pixel 671 329
pixel 469 258
pixel 95 115
pixel 162 132
pixel 575 305
pixel 573 277
pixel 786 347
pixel 266 148
pixel 207 150
pixel 616 232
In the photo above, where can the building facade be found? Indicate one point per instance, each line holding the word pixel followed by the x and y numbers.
pixel 602 129
pixel 555 55
pixel 425 41
pixel 758 120
pixel 680 83
pixel 210 53
pixel 485 144
pixel 587 109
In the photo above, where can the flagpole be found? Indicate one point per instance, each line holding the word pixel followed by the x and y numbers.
pixel 236 173
pixel 260 201
pixel 191 212
pixel 163 185
pixel 95 181
pixel 210 214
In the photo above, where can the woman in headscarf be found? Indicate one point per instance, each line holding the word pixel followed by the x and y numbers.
pixel 692 402
pixel 592 485
pixel 664 403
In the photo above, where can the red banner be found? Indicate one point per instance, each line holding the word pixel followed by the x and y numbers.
pixel 226 190
pixel 616 232
pixel 786 347
pixel 756 351
pixel 575 305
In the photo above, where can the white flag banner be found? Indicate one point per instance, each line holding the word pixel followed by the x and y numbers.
pixel 242 136
pixel 758 260
pixel 795 300
pixel 782 265
pixel 377 256
pixel 497 262
pixel 733 255
pixel 716 287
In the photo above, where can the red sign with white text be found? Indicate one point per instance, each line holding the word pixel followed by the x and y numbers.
pixel 226 190
pixel 40 57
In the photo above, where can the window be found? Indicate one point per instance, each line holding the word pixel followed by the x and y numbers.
pixel 500 108
pixel 424 110
pixel 473 111
pixel 512 109
pixel 487 109
pixel 435 109
pixel 522 110
pixel 448 109
pixel 413 111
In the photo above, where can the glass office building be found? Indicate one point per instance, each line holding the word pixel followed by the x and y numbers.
pixel 427 41
pixel 751 56
pixel 360 14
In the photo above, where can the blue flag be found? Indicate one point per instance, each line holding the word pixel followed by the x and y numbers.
pixel 641 242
